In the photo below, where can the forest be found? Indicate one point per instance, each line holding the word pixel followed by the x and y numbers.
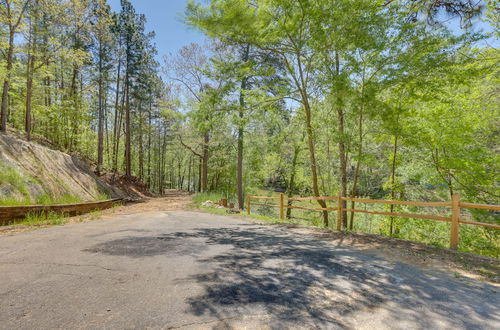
pixel 396 100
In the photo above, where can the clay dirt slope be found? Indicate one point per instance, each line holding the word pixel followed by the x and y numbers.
pixel 38 170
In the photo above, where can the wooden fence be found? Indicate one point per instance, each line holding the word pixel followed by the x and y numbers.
pixel 11 213
pixel 454 204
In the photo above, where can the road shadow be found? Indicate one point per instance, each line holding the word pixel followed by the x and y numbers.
pixel 299 282
pixel 146 246
pixel 303 282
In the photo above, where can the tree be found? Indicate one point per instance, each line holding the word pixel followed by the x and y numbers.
pixel 278 27
pixel 12 12
pixel 104 41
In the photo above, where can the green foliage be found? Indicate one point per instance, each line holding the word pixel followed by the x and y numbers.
pixel 103 197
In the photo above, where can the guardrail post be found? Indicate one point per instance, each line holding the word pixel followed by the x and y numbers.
pixel 248 204
pixel 282 206
pixel 339 212
pixel 455 218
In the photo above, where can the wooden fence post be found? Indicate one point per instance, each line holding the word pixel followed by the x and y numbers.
pixel 282 206
pixel 339 212
pixel 248 204
pixel 455 218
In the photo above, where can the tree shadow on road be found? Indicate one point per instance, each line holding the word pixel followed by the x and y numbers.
pixel 308 283
pixel 298 281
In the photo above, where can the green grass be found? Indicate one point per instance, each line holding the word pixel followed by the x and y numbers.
pixel 103 197
pixel 9 201
pixel 41 218
pixel 10 176
pixel 208 196
pixel 46 199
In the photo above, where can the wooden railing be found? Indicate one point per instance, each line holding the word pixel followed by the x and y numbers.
pixel 454 204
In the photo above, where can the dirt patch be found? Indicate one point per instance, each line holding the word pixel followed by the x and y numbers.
pixel 131 186
pixel 170 201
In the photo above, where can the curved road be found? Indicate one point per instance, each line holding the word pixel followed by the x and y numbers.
pixel 189 270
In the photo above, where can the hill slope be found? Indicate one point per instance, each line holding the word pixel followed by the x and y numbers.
pixel 31 173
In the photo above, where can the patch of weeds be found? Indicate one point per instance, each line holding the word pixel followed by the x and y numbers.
pixel 103 197
pixel 10 201
pixel 10 176
pixel 488 273
pixel 67 199
pixel 43 199
pixel 94 215
pixel 43 218
pixel 46 199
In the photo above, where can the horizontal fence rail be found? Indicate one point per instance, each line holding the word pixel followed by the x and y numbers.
pixel 12 213
pixel 455 205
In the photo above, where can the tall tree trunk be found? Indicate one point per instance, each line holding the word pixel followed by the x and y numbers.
pixel 106 128
pixel 291 184
pixel 100 126
pixel 189 174
pixel 200 175
pixel 6 83
pixel 310 141
pixel 341 144
pixel 312 157
pixel 72 140
pixel 239 165
pixel 141 147
pixel 116 128
pixel 120 124
pixel 159 161
pixel 128 156
pixel 204 176
pixel 13 24
pixel 241 128
pixel 30 68
pixel 354 190
pixel 393 180
pixel 193 175
pixel 164 150
pixel 149 146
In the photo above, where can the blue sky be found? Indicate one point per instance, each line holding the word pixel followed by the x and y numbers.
pixel 164 17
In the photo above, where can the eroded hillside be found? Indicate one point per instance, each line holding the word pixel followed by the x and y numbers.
pixel 30 173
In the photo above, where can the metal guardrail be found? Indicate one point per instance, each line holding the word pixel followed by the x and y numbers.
pixel 12 213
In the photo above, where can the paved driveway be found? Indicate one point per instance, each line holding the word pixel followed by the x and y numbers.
pixel 193 270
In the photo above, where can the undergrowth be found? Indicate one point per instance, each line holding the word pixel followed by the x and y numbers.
pixel 42 218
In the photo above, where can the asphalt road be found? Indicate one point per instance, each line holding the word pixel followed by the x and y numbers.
pixel 193 270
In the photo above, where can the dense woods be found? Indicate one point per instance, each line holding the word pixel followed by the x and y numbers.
pixel 381 99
